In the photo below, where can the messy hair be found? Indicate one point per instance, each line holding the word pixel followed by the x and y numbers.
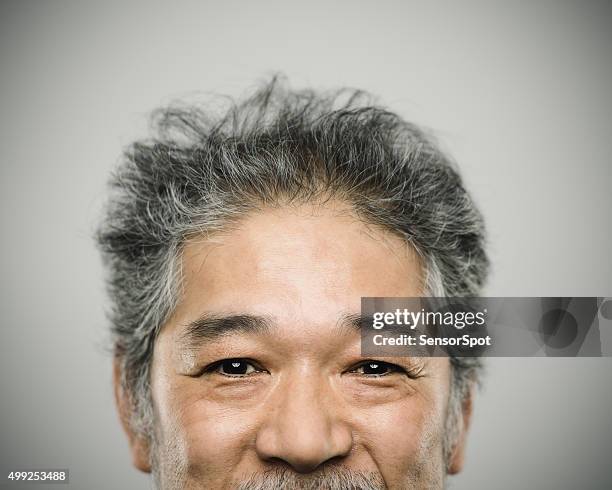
pixel 207 165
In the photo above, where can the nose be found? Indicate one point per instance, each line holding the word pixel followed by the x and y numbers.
pixel 304 427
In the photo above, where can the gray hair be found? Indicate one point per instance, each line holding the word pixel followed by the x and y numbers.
pixel 208 165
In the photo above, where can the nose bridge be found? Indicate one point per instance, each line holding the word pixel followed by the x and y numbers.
pixel 303 405
pixel 304 426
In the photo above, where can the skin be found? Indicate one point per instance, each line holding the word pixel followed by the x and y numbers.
pixel 306 404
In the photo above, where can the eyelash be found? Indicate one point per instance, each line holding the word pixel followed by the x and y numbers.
pixel 214 367
pixel 412 373
pixel 391 368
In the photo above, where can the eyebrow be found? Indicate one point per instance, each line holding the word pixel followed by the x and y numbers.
pixel 209 327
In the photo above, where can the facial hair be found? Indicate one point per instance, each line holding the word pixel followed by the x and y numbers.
pixel 330 478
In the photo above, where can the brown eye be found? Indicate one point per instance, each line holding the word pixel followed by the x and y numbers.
pixel 376 368
pixel 235 367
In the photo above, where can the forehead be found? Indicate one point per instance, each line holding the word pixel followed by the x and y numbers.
pixel 308 262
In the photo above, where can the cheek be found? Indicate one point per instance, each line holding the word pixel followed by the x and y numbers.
pixel 219 434
pixel 403 436
pixel 209 441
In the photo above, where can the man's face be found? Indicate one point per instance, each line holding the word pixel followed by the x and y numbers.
pixel 257 378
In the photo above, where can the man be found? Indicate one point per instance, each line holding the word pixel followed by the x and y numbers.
pixel 239 244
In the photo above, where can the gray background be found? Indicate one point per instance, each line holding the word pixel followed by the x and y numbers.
pixel 518 93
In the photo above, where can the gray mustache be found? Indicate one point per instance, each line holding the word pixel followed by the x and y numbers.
pixel 336 478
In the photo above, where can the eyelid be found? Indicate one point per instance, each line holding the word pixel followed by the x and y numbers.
pixel 412 373
pixel 212 367
pixel 388 365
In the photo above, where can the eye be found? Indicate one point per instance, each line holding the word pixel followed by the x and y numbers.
pixel 376 369
pixel 235 368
